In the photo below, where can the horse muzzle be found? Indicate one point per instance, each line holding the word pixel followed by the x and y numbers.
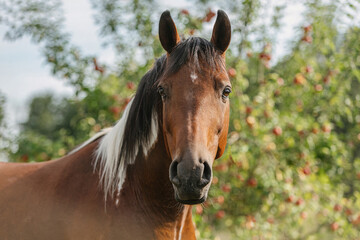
pixel 191 181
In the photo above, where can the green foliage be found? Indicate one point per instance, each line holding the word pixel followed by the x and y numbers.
pixel 292 167
pixel 4 135
pixel 2 110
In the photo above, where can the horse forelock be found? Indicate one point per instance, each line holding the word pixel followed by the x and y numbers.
pixel 194 50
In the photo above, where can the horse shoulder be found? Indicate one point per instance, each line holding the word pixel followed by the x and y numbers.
pixel 51 200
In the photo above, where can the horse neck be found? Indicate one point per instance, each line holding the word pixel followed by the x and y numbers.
pixel 149 179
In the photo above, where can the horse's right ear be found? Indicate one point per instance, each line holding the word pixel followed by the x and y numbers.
pixel 168 34
pixel 221 34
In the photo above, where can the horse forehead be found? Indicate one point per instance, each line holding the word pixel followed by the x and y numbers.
pixel 199 80
pixel 193 77
pixel 193 87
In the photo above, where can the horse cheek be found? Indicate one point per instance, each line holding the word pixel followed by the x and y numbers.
pixel 223 136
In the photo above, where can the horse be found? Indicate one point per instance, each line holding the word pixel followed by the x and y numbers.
pixel 139 179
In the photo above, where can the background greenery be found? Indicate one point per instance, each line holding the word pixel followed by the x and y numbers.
pixel 292 166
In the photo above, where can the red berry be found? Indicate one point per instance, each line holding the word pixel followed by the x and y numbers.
pixel 248 110
pixel 277 131
pixel 326 79
pixel 252 182
pixel 301 133
pixel 280 81
pixel 220 199
pixel 348 212
pixel 303 215
pixel 315 130
pixel 306 170
pixel 334 226
pixel 250 222
pixel 270 220
pixel 232 72
pixel 215 180
pixel 239 177
pixel 209 16
pixel 299 202
pixel 337 207
pixel 309 69
pixel 299 79
pixel 307 28
pixel 199 209
pixel 226 188
pixel 115 110
pixel 265 56
pixel 116 98
pixel 127 100
pixel 290 199
pixel 221 167
pixel 130 85
pixel 220 214
pixel 307 39
pixel 250 218
pixel 318 87
pixel 356 221
pixel 326 128
pixel 185 12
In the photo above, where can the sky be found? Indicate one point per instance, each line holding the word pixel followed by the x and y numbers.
pixel 23 70
pixel 24 74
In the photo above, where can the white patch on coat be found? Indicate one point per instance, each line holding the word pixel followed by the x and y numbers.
pixel 108 154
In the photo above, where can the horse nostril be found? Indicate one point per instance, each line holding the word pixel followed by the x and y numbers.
pixel 205 180
pixel 173 174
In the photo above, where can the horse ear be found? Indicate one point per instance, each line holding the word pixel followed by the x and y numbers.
pixel 168 34
pixel 221 34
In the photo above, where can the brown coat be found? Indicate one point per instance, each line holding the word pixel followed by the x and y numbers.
pixel 61 199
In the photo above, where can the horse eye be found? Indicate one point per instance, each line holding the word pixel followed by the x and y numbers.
pixel 161 91
pixel 226 92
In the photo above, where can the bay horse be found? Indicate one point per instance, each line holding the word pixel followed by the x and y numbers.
pixel 138 179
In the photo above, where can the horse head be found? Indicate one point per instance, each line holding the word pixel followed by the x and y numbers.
pixel 195 107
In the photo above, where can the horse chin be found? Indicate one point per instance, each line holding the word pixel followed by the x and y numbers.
pixel 191 201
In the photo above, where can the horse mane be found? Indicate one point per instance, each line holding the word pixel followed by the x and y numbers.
pixel 137 130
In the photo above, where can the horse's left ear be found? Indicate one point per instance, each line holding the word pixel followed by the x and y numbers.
pixel 168 34
pixel 221 34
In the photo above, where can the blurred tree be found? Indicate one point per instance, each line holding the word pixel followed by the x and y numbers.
pixel 2 110
pixel 2 116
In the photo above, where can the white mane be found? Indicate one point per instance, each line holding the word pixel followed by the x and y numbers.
pixel 108 156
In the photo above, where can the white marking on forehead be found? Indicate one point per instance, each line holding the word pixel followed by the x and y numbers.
pixel 193 76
